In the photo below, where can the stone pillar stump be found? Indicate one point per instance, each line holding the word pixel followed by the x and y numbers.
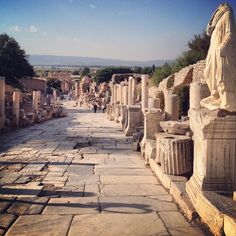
pixel 144 91
pixel 16 105
pixel 174 153
pixel 198 91
pixel 172 106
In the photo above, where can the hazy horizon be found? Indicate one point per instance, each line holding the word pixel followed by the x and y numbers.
pixel 124 30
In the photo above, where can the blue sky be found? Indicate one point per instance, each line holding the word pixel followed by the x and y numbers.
pixel 121 29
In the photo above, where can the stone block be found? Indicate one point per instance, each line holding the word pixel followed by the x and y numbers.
pixel 174 152
pixel 214 135
pixel 175 127
pixel 229 225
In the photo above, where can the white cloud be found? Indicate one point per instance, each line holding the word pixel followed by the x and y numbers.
pixel 32 29
pixel 44 34
pixel 92 6
pixel 14 28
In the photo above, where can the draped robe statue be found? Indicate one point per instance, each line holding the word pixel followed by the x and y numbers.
pixel 220 71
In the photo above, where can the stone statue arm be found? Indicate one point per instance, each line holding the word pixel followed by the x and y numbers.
pixel 228 23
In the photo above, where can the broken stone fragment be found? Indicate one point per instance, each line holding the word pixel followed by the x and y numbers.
pixel 175 127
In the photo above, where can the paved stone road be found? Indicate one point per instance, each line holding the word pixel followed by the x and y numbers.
pixel 101 188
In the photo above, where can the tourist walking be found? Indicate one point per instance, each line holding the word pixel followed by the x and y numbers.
pixel 95 106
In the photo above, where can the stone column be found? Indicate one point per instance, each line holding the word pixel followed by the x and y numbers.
pixel 198 91
pixel 2 102
pixel 172 106
pixel 76 90
pixel 54 95
pixel 125 94
pixel 134 91
pixel 144 91
pixel 115 94
pixel 154 103
pixel 16 105
pixel 120 93
pixel 112 93
pixel 130 101
pixel 67 87
pixel 35 101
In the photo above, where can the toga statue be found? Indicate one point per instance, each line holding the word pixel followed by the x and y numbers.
pixel 220 71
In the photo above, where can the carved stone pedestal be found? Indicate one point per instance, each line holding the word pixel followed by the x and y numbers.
pixel 135 118
pixel 214 135
pixel 152 118
pixel 174 153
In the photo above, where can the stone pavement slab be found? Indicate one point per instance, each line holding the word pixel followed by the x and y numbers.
pixel 128 179
pixel 132 189
pixel 136 204
pixel 28 206
pixel 117 225
pixel 122 171
pixel 72 206
pixel 36 225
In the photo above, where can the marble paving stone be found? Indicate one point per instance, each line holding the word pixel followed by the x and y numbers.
pixel 33 167
pixel 117 225
pixel 55 178
pixel 9 179
pixel 78 180
pixel 135 204
pixel 193 231
pixel 128 179
pixel 72 206
pixel 163 197
pixel 27 190
pixel 122 171
pixel 91 190
pixel 71 191
pixel 6 220
pixel 132 190
pixel 173 219
pixel 34 225
pixel 5 203
pixel 28 206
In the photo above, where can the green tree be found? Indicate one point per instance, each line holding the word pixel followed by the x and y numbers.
pixel 147 70
pixel 84 71
pixel 54 83
pixel 75 72
pixel 197 50
pixel 14 63
pixel 137 69
pixel 105 74
pixel 161 73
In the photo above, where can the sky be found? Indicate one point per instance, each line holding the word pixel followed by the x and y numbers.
pixel 117 29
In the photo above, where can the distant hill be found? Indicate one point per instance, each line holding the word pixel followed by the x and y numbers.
pixel 49 60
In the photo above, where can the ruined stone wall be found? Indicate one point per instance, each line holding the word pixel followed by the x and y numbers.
pixel 198 72
pixel 34 84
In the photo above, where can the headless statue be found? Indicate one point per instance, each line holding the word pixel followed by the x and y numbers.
pixel 220 71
